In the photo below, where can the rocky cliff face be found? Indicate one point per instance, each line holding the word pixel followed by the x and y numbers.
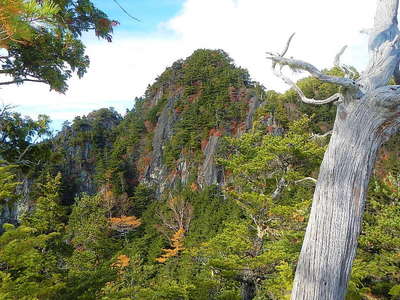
pixel 81 145
pixel 156 172
pixel 170 139
pixel 11 211
pixel 199 100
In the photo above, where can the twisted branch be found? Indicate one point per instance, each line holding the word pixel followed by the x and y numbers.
pixel 279 61
pixel 303 98
pixel 347 70
pixel 299 65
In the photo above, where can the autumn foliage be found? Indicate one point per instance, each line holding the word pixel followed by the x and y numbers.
pixel 17 18
pixel 124 224
pixel 7 30
pixel 122 261
pixel 176 246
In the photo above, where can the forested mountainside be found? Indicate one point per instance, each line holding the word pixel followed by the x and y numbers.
pixel 201 191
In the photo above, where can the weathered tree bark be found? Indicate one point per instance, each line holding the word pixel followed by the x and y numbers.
pixel 368 114
pixel 331 239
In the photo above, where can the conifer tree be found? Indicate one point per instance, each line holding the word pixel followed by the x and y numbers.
pixel 269 176
pixel 7 183
pixel 48 214
pixel 30 256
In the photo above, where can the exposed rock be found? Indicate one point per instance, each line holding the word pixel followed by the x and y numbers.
pixel 11 211
pixel 209 173
pixel 254 103
pixel 184 169
pixel 157 173
pixel 157 97
pixel 80 145
pixel 272 125
pixel 162 178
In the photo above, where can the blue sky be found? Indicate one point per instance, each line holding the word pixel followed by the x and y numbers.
pixel 172 29
pixel 150 12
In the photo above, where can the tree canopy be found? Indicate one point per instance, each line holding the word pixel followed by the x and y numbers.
pixel 41 40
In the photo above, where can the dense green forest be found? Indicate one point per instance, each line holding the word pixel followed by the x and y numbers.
pixel 201 191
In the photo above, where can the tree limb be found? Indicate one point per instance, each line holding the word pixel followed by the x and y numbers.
pixel 126 12
pixel 287 45
pixel 278 62
pixel 349 73
pixel 299 65
pixel 383 46
pixel 306 179
pixel 22 80
pixel 281 185
pixel 303 98
pixel 5 108
pixel 26 150
pixel 320 136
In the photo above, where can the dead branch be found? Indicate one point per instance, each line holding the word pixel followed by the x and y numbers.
pixel 287 44
pixel 303 98
pixel 279 188
pixel 313 180
pixel 347 70
pixel 299 65
pixel 321 136
pixel 278 62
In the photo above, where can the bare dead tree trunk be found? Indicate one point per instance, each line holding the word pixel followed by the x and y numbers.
pixel 368 114
pixel 331 238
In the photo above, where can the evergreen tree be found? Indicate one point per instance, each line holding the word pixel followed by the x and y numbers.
pixel 31 254
pixel 7 183
pixel 48 215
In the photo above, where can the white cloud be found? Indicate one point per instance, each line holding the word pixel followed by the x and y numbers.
pixel 246 29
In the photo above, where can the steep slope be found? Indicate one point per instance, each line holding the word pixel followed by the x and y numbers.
pixel 191 105
pixel 81 149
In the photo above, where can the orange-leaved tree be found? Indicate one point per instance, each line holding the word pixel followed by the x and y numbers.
pixel 124 224
pixel 17 19
pixel 175 224
pixel 176 246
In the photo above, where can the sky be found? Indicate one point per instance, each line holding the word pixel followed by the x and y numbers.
pixel 172 29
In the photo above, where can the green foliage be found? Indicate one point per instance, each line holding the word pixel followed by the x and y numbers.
pixel 240 237
pixel 259 161
pixel 17 19
pixel 265 173
pixel 31 254
pixel 153 114
pixel 143 196
pixel 43 39
pixel 88 229
pixel 19 137
pixel 86 146
pixel 29 269
pixel 48 215
pixel 375 271
pixel 7 183
pixel 287 107
pixel 88 232
pixel 212 86
pixel 125 149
